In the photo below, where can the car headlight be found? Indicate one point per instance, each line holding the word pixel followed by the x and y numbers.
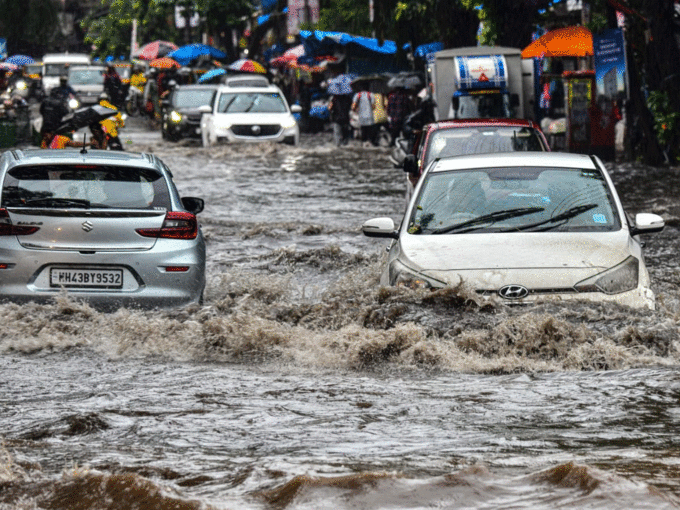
pixel 402 276
pixel 21 85
pixel 73 103
pixel 620 278
pixel 288 123
pixel 175 117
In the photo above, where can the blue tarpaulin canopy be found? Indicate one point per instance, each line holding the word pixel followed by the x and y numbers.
pixel 190 52
pixel 318 41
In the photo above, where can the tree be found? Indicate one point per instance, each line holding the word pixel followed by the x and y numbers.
pixel 29 26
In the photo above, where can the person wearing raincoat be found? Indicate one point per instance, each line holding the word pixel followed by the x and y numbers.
pixel 110 127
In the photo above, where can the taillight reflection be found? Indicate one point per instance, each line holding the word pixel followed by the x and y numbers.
pixel 177 225
pixel 7 229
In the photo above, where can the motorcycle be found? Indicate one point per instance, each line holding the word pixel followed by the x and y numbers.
pixel 134 102
pixel 413 123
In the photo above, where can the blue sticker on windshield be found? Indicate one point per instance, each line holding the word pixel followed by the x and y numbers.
pixel 599 218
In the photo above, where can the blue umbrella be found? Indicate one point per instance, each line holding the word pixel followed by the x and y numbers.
pixel 341 84
pixel 190 52
pixel 20 60
pixel 209 75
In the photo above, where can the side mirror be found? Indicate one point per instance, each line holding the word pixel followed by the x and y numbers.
pixel 380 227
pixel 646 223
pixel 296 108
pixel 411 164
pixel 205 109
pixel 193 205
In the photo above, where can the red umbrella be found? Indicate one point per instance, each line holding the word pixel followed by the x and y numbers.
pixel 155 50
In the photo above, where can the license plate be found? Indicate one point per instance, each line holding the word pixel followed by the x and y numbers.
pixel 91 278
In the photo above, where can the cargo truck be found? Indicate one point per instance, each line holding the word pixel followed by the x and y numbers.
pixel 481 82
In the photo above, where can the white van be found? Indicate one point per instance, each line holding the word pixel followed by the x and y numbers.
pixel 55 64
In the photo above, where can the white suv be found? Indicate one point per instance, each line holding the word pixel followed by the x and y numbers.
pixel 249 114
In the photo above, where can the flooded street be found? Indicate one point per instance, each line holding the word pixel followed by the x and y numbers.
pixel 301 384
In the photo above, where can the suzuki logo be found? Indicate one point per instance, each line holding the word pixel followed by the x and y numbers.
pixel 513 292
pixel 256 130
pixel 87 226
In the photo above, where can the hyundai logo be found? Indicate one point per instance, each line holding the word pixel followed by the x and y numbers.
pixel 256 130
pixel 87 226
pixel 513 292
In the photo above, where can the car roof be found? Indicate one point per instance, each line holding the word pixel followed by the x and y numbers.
pixel 75 156
pixel 247 88
pixel 514 159
pixel 454 123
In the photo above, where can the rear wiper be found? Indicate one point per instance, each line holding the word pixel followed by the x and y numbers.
pixel 59 202
pixel 488 218
pixel 569 213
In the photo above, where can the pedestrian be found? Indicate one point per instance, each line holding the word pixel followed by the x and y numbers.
pixel 379 116
pixel 339 108
pixel 362 104
pixel 398 108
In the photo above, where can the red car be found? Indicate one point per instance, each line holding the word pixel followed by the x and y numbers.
pixel 472 136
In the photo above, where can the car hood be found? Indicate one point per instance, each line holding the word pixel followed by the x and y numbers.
pixel 531 257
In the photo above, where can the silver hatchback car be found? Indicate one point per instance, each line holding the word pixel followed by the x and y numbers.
pixel 105 226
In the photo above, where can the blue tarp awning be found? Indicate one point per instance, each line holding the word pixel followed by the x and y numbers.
pixel 319 40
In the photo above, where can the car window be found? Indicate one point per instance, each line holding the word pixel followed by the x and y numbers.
pixel 92 76
pixel 95 185
pixel 478 140
pixel 55 69
pixel 447 199
pixel 192 98
pixel 253 102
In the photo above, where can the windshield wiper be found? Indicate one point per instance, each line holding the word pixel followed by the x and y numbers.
pixel 59 202
pixel 488 218
pixel 569 213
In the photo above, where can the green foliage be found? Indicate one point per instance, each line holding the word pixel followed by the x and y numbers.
pixel 345 16
pixel 666 120
pixel 111 34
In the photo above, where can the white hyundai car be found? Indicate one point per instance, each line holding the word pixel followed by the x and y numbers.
pixel 249 114
pixel 520 226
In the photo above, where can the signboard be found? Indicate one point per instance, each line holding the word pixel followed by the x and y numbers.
pixel 302 11
pixel 610 79
pixel 181 21
pixel 3 48
pixel 481 72
pixel 580 90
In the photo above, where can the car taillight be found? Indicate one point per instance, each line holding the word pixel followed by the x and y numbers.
pixel 7 229
pixel 177 225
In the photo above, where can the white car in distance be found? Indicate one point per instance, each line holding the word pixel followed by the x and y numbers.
pixel 520 226
pixel 249 114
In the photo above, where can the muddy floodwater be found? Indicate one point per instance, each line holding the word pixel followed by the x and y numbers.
pixel 301 384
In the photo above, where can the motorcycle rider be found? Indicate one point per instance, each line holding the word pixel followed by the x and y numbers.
pixel 53 108
pixel 64 90
pixel 110 127
pixel 113 85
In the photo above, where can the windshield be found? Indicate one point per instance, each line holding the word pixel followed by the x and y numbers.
pixel 457 141
pixel 55 69
pixel 514 199
pixel 89 76
pixel 483 106
pixel 252 102
pixel 99 186
pixel 189 98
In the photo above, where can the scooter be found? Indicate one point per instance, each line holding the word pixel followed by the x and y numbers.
pixel 134 102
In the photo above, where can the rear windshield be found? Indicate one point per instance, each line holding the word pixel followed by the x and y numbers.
pixel 90 76
pixel 86 186
pixel 478 140
pixel 192 98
